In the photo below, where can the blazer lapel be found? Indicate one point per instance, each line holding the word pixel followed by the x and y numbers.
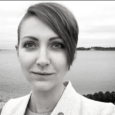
pixel 21 107
pixel 67 101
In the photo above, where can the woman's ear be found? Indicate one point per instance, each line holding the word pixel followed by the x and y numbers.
pixel 75 55
pixel 17 50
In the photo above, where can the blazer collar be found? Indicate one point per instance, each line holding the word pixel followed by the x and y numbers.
pixel 21 109
pixel 67 101
pixel 64 106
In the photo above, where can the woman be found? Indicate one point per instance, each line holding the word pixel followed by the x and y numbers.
pixel 47 40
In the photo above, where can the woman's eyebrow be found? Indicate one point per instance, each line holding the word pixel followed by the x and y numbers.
pixel 34 38
pixel 30 37
pixel 53 38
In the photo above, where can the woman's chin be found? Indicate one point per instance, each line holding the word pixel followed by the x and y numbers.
pixel 42 86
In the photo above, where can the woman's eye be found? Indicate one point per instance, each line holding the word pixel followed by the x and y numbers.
pixel 29 45
pixel 57 45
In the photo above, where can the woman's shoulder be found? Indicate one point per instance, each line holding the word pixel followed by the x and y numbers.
pixel 15 104
pixel 84 106
pixel 17 100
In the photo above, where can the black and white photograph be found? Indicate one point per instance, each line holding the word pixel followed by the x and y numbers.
pixel 57 57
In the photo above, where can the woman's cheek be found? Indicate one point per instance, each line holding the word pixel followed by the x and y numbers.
pixel 26 59
pixel 59 58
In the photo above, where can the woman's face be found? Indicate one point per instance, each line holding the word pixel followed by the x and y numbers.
pixel 42 55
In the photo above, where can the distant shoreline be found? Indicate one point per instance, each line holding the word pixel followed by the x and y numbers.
pixel 97 48
pixel 81 49
pixel 7 50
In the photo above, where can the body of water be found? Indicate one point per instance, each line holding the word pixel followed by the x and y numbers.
pixel 91 72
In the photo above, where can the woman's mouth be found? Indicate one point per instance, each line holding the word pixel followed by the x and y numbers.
pixel 43 73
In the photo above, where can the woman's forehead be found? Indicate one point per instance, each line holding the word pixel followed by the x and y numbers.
pixel 33 26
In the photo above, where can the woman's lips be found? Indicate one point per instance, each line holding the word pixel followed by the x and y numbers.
pixel 41 76
pixel 43 73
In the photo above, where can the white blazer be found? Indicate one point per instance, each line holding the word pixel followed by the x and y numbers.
pixel 70 103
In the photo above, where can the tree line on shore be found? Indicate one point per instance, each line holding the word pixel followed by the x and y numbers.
pixel 102 97
pixel 97 48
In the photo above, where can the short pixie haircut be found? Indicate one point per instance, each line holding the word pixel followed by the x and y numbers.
pixel 60 20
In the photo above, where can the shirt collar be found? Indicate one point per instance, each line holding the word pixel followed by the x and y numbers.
pixel 67 101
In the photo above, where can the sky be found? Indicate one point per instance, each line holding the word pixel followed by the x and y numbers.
pixel 96 20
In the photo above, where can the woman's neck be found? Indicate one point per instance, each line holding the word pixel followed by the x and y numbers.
pixel 44 102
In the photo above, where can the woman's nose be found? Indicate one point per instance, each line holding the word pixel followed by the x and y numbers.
pixel 42 58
